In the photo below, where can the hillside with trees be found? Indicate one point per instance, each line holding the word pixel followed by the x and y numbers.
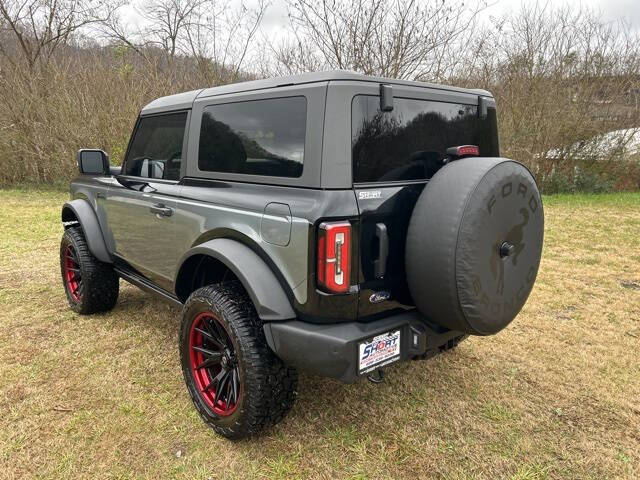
pixel 75 73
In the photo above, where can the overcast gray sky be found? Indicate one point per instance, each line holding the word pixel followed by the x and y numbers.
pixel 611 9
pixel 276 24
pixel 275 20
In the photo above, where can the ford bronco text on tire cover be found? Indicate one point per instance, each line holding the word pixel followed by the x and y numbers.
pixel 333 223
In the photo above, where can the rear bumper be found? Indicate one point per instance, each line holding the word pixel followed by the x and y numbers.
pixel 332 350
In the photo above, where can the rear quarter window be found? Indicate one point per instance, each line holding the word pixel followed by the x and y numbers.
pixel 257 137
pixel 410 142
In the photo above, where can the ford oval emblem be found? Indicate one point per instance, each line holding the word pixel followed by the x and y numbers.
pixel 380 296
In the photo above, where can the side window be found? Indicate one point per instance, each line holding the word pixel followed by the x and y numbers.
pixel 156 149
pixel 258 137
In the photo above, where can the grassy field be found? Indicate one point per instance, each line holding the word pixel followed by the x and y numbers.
pixel 556 395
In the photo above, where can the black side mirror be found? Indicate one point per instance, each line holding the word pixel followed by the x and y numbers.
pixel 93 162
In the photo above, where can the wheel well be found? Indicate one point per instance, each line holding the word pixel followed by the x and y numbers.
pixel 198 271
pixel 69 217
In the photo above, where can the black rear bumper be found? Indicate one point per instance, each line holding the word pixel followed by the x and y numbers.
pixel 331 350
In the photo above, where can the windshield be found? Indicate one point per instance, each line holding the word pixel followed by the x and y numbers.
pixel 410 142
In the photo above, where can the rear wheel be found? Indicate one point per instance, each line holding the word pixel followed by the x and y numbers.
pixel 91 285
pixel 236 382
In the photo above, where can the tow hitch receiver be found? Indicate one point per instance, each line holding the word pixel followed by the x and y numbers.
pixel 376 377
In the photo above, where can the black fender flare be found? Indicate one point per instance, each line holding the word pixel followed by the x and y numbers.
pixel 83 212
pixel 268 296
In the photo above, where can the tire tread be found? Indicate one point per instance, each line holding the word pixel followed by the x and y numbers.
pixel 271 384
pixel 101 282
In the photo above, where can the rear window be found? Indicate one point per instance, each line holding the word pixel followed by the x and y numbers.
pixel 259 137
pixel 410 142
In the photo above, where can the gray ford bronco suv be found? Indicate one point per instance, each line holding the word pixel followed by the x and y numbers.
pixel 331 222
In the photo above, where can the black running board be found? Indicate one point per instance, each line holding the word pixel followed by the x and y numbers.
pixel 147 286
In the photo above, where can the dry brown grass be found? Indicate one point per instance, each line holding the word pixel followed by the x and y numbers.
pixel 556 395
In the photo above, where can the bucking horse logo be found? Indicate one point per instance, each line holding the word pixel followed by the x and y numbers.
pixel 513 237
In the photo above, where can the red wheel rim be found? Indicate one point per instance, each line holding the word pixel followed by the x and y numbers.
pixel 214 364
pixel 72 273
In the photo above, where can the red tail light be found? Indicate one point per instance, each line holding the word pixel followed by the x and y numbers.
pixel 464 151
pixel 334 256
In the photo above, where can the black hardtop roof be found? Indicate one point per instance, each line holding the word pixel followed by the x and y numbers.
pixel 183 100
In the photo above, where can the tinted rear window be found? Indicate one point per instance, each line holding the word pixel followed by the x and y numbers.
pixel 410 142
pixel 260 137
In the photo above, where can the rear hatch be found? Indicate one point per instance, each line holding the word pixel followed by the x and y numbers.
pixel 394 154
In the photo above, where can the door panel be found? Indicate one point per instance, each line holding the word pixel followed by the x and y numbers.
pixel 143 229
pixel 141 202
pixel 384 219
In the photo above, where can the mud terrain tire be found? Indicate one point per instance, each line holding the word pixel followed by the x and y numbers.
pixel 91 285
pixel 267 387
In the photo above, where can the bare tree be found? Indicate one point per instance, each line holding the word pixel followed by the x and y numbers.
pixel 169 20
pixel 408 39
pixel 40 27
pixel 222 39
pixel 214 33
pixel 564 74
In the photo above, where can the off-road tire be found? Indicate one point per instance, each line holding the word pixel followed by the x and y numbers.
pixel 100 282
pixel 267 386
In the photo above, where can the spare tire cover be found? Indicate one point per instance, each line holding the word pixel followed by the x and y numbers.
pixel 474 244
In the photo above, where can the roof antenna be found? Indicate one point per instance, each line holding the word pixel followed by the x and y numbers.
pixel 386 98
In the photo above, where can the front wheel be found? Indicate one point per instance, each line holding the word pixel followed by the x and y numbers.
pixel 91 285
pixel 237 384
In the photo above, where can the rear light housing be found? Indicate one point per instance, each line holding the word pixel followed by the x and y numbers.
pixel 334 256
pixel 463 151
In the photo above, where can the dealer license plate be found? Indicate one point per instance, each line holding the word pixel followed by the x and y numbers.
pixel 382 350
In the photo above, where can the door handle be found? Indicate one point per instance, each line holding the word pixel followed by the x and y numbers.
pixel 161 209
pixel 380 264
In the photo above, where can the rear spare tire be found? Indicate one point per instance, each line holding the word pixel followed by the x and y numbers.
pixel 474 244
